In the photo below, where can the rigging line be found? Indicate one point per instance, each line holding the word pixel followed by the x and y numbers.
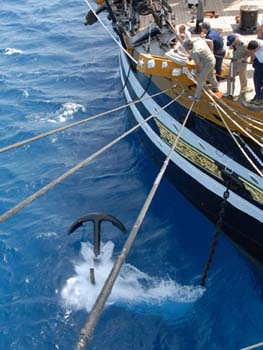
pixel 147 87
pixel 87 330
pixel 247 117
pixel 248 120
pixel 238 145
pixel 219 110
pixel 48 133
pixel 116 41
pixel 249 148
pixel 253 346
pixel 231 119
pixel 244 119
pixel 71 171
pixel 254 118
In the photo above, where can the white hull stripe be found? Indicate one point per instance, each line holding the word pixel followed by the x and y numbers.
pixel 204 179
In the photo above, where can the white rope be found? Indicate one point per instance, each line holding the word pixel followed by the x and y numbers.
pixel 249 149
pixel 233 121
pixel 238 145
pixel 116 41
pixel 253 346
pixel 80 165
pixel 88 329
pixel 80 122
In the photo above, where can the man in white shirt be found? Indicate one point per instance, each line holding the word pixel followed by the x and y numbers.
pixel 255 47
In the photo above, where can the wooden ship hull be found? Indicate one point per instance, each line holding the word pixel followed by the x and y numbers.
pixel 219 150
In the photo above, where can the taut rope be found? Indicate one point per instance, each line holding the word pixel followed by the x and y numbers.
pixel 87 331
pixel 52 184
pixel 48 133
pixel 255 346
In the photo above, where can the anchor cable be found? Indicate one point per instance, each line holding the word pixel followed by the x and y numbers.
pixel 84 162
pixel 87 330
pixel 220 109
pixel 218 230
pixel 255 346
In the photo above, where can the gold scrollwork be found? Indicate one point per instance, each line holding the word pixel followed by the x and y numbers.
pixel 256 194
pixel 189 152
pixel 203 161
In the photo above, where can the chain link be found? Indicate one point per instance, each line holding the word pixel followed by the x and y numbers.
pixel 218 229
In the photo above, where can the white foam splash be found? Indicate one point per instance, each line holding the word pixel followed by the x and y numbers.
pixel 25 93
pixel 47 234
pixel 132 286
pixel 65 112
pixel 69 108
pixel 10 51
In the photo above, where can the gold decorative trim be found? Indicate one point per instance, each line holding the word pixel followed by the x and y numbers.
pixel 202 160
pixel 256 193
pixel 189 152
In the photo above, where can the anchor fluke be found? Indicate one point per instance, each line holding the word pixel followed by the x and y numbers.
pixel 97 218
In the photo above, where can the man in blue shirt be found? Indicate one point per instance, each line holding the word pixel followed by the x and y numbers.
pixel 216 44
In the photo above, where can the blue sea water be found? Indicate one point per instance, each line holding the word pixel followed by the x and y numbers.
pixel 55 71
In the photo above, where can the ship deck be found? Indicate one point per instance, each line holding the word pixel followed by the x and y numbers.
pixel 227 12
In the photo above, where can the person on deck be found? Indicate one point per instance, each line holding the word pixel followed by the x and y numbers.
pixel 255 47
pixel 183 32
pixel 238 65
pixel 204 65
pixel 182 35
pixel 260 30
pixel 200 14
pixel 216 44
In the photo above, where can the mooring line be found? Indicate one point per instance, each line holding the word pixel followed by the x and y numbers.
pixel 238 145
pixel 55 131
pixel 87 331
pixel 233 120
pixel 71 171
pixel 219 110
pixel 228 116
pixel 255 346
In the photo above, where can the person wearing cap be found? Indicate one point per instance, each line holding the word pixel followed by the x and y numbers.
pixel 255 47
pixel 204 65
pixel 216 44
pixel 238 65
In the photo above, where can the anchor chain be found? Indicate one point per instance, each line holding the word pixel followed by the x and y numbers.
pixel 218 229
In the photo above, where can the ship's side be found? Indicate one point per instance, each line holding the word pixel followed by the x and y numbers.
pixel 204 163
pixel 217 161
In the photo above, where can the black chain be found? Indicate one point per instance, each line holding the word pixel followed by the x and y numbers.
pixel 218 229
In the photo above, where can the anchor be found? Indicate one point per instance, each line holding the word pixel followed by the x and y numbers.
pixel 96 218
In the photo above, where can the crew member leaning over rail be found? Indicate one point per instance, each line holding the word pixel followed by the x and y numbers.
pixel 204 65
